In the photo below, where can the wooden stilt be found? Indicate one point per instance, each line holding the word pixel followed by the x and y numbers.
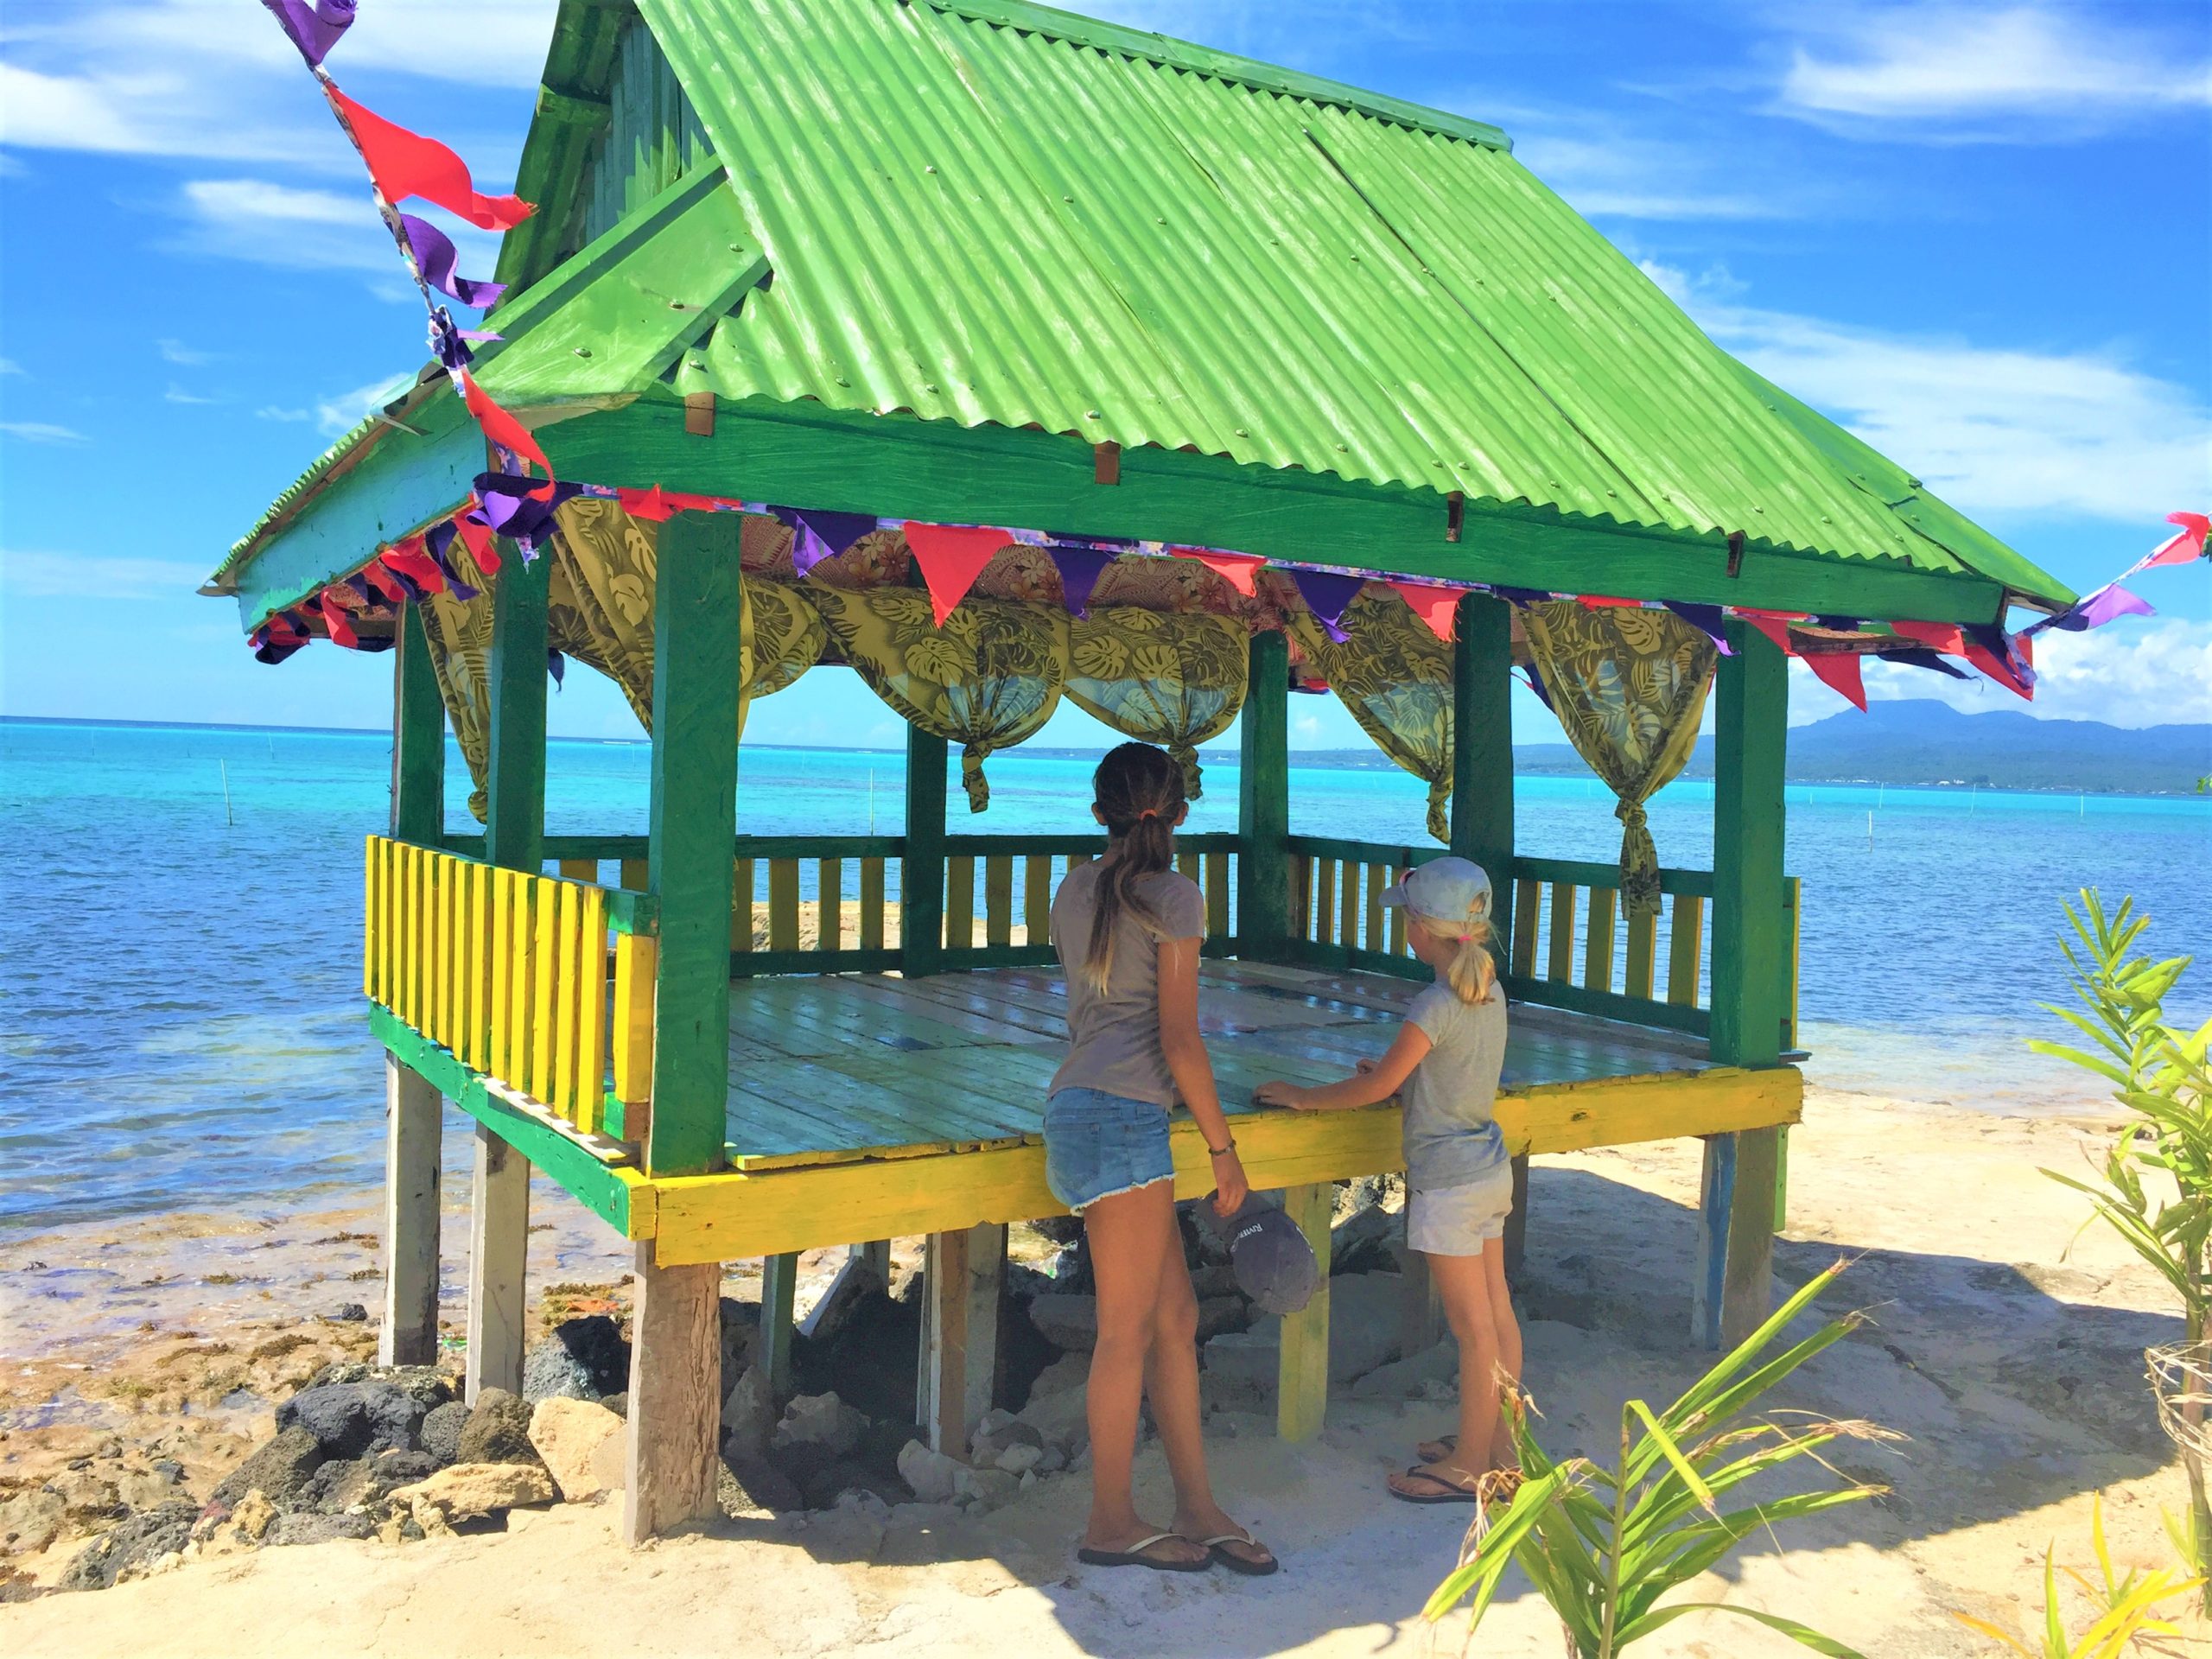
pixel 986 1297
pixel 1263 904
pixel 778 1285
pixel 1516 1242
pixel 964 1276
pixel 1302 1391
pixel 675 1396
pixel 1734 1290
pixel 409 1335
pixel 875 1255
pixel 1422 1323
pixel 499 1242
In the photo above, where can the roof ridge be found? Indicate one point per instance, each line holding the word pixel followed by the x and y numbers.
pixel 1079 31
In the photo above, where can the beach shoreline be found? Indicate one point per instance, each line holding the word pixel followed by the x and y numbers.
pixel 2006 1350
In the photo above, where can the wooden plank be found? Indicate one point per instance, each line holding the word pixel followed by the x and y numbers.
pixel 1216 895
pixel 675 1410
pixel 637 874
pixel 1265 901
pixel 959 904
pixel 1036 898
pixel 1685 945
pixel 998 899
pixel 369 919
pixel 1481 748
pixel 636 961
pixel 829 903
pixel 1793 902
pixel 1397 945
pixel 740 907
pixel 1514 1242
pixel 580 869
pixel 1559 965
pixel 1585 873
pixel 698 616
pixel 782 903
pixel 778 1286
pixel 941 1396
pixel 502 955
pixel 545 987
pixel 1750 946
pixel 1642 936
pixel 871 904
pixel 1598 944
pixel 1325 901
pixel 568 1010
pixel 921 873
pixel 483 950
pixel 1731 1291
pixel 498 1244
pixel 418 735
pixel 1422 1322
pixel 591 1001
pixel 1524 929
pixel 408 1333
pixel 1378 877
pixel 1302 1389
pixel 1348 904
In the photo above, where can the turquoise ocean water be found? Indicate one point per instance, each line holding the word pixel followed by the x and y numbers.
pixel 180 1025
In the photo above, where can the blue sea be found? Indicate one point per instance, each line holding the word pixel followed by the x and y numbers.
pixel 180 1015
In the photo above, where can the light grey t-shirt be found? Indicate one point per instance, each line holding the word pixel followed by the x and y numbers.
pixel 1114 1034
pixel 1451 1137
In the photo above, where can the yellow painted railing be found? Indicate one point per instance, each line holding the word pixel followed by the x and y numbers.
pixel 511 971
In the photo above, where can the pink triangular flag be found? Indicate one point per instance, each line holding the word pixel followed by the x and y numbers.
pixel 1240 570
pixel 1841 672
pixel 951 557
pixel 1437 607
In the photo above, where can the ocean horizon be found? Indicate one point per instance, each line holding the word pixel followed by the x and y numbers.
pixel 181 1014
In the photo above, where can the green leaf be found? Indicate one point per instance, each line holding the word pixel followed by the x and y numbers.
pixel 1804 1635
pixel 1672 1452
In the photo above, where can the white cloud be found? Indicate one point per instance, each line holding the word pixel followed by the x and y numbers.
pixel 345 410
pixel 41 432
pixel 1991 430
pixel 274 224
pixel 177 394
pixel 73 575
pixel 1606 167
pixel 176 351
pixel 2024 73
pixel 271 412
pixel 9 365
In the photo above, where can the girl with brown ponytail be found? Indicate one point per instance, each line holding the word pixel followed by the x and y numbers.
pixel 1128 930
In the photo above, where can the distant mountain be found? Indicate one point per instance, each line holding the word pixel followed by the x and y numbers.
pixel 1923 741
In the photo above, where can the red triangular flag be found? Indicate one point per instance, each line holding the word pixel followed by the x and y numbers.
pixel 1774 627
pixel 1597 603
pixel 334 618
pixel 1841 672
pixel 652 505
pixel 381 579
pixel 1936 636
pixel 1438 606
pixel 405 164
pixel 476 536
pixel 2002 671
pixel 2187 544
pixel 408 558
pixel 951 557
pixel 500 426
pixel 1239 570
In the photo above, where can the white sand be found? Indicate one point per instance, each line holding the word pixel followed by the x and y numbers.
pixel 2016 1374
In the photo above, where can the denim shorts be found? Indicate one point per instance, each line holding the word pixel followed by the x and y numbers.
pixel 1097 1145
pixel 1460 1220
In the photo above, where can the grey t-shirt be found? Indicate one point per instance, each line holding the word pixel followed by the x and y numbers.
pixel 1114 1034
pixel 1451 1137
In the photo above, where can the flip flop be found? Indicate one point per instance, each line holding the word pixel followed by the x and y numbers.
pixel 1446 1492
pixel 1443 1445
pixel 1134 1556
pixel 1236 1563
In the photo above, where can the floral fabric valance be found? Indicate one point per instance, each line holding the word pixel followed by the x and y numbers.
pixel 989 679
pixel 1395 677
pixel 1174 680
pixel 1628 686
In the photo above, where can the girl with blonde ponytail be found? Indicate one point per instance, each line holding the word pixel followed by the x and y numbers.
pixel 1128 930
pixel 1444 1067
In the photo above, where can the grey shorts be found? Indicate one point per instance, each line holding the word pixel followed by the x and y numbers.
pixel 1460 1220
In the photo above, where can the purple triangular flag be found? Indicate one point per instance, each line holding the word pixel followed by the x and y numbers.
pixel 314 25
pixel 556 665
pixel 2095 610
pixel 819 535
pixel 1536 685
pixel 1326 594
pixel 435 256
pixel 1521 596
pixel 1706 620
pixel 1921 657
pixel 435 544
pixel 359 584
pixel 1080 569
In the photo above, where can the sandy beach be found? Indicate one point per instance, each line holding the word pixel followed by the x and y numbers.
pixel 2012 1365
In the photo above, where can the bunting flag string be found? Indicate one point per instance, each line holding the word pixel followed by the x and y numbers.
pixel 1240 570
pixel 1080 569
pixel 951 558
pixel 1326 594
pixel 1438 607
pixel 819 535
pixel 404 165
pixel 435 257
pixel 1841 672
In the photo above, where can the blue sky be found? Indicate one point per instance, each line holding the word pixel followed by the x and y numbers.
pixel 1978 235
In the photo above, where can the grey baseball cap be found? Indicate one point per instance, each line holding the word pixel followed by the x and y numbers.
pixel 1274 1264
pixel 1446 888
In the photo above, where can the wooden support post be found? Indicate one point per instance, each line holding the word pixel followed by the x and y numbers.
pixel 1263 802
pixel 1733 1292
pixel 499 1242
pixel 514 829
pixel 964 1278
pixel 418 737
pixel 698 612
pixel 1302 1389
pixel 875 1256
pixel 409 1335
pixel 1481 751
pixel 921 875
pixel 779 1287
pixel 1422 1323
pixel 675 1371
pixel 1516 1242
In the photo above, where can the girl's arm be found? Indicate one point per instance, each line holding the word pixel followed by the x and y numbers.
pixel 1373 1083
pixel 1185 1053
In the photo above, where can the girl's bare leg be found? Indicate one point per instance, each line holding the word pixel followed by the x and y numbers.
pixel 1507 1331
pixel 1463 1284
pixel 1172 1385
pixel 1132 1235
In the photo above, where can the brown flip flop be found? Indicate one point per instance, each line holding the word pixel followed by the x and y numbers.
pixel 1236 1563
pixel 1446 1492
pixel 1135 1555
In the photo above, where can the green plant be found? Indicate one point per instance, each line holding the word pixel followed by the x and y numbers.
pixel 2159 1073
pixel 1602 1545
pixel 2127 1605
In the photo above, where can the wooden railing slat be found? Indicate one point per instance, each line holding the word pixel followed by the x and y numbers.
pixel 1378 877
pixel 637 959
pixel 521 952
pixel 567 965
pixel 545 975
pixel 829 903
pixel 585 870
pixel 1216 895
pixel 871 904
pixel 591 1001
pixel 637 874
pixel 1685 949
pixel 1325 901
pixel 741 907
pixel 782 903
pixel 1642 936
pixel 998 899
pixel 1398 947
pixel 1559 965
pixel 1036 898
pixel 1348 904
pixel 1524 929
pixel 1597 947
pixel 959 904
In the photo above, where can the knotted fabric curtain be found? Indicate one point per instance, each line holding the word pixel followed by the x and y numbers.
pixel 1628 686
pixel 989 679
pixel 1395 676
pixel 1174 680
pixel 461 656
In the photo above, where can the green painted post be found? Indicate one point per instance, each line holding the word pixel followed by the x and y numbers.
pixel 698 610
pixel 418 737
pixel 1263 802
pixel 1733 1292
pixel 514 830
pixel 1482 750
pixel 921 875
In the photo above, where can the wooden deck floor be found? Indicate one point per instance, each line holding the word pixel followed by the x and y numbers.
pixel 829 1070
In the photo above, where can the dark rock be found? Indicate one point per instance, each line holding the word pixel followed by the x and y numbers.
pixel 1068 1323
pixel 1220 1314
pixel 278 1471
pixel 134 1541
pixel 1064 1230
pixel 882 1441
pixel 740 1338
pixel 347 1313
pixel 395 1469
pixel 618 1404
pixel 337 1486
pixel 169 1470
pixel 497 1431
pixel 1362 1240
pixel 582 1359
pixel 799 1461
pixel 745 1485
pixel 350 1419
pixel 827 1484
pixel 998 1431
pixel 441 1431
pixel 319 1528
pixel 423 1383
